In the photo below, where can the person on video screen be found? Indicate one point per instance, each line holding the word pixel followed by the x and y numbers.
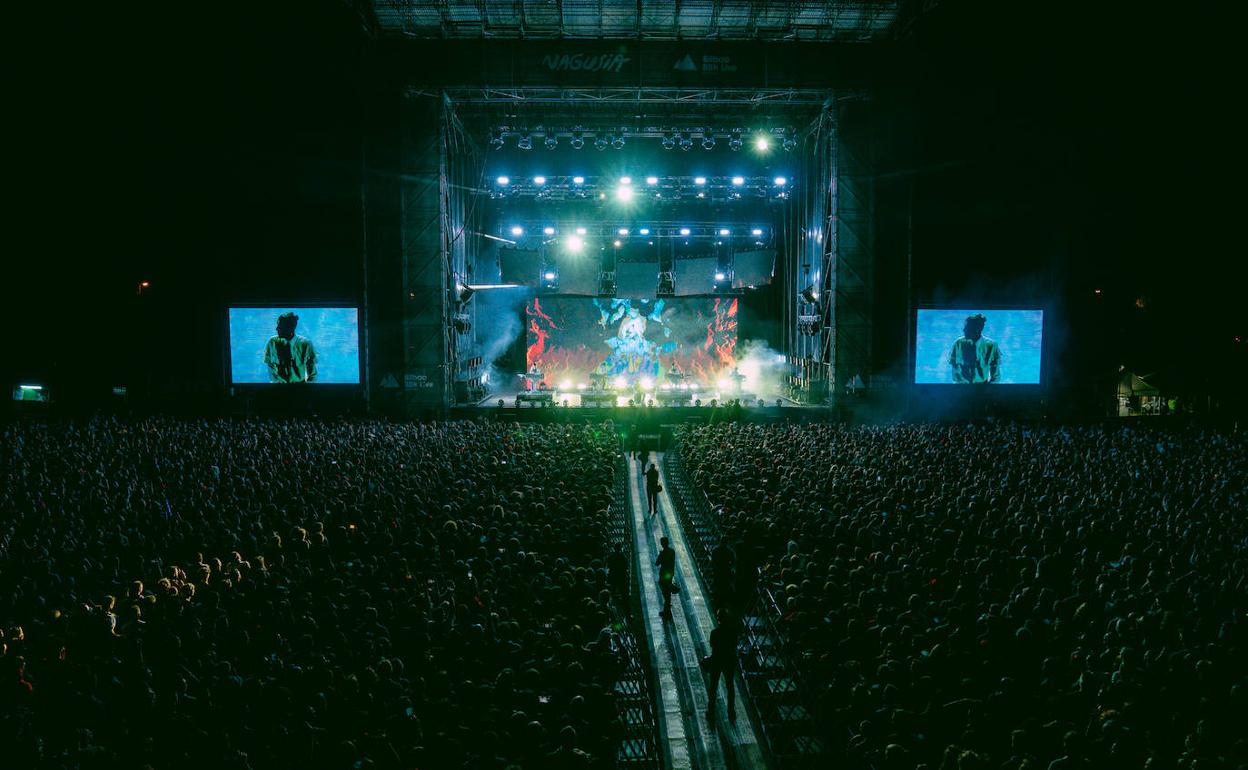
pixel 289 356
pixel 974 357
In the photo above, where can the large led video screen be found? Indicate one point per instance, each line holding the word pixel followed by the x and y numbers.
pixel 287 345
pixel 971 346
pixel 616 342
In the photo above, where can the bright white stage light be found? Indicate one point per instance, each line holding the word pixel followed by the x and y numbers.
pixel 724 384
pixel 581 386
pixel 779 358
pixel 644 231
pixel 503 180
pixel 574 243
pixel 626 180
pixel 550 276
pixel 720 276
pixel 762 144
pixel 780 181
pixel 684 231
pixel 693 386
pixel 652 180
pixel 548 230
pixel 620 382
pixel 623 231
pixel 517 230
pixel 624 193
pixel 646 383
pixel 737 181
pixel 699 180
pixel 580 231
pixel 617 243
pixel 757 231
pixel 539 180
pixel 578 180
pixel 725 231
pixel 565 385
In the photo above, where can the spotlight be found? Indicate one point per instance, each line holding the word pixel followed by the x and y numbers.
pixel 644 231
pixel 551 141
pixel 624 193
pixel 496 141
pixel 620 382
pixel 525 143
pixel 811 294
pixel 720 277
pixel 548 231
pixel 617 243
pixel 517 230
pixel 646 383
pixel 756 231
pixel 465 292
pixel 503 181
pixel 618 142
pixel 577 141
pixel 652 180
pixel 708 142
pixel 686 143
pixel 725 231
pixel 626 180
pixel 539 180
pixel 623 231
pixel 578 180
pixel 762 143
pixel 734 143
pixel 669 141
pixel 565 385
pixel 684 231
pixel 550 276
pixel 780 181
pixel 601 143
pixel 574 243
pixel 699 180
pixel 580 231
pixel 789 144
pixel 737 181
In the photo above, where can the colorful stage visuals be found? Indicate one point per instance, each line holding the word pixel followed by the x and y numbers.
pixel 294 345
pixel 963 347
pixel 621 342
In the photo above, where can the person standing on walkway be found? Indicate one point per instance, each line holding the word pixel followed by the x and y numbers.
pixel 667 575
pixel 723 662
pixel 653 488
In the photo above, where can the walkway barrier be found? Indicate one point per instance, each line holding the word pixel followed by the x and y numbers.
pixel 773 681
pixel 634 691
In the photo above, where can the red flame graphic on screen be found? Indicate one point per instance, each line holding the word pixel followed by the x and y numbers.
pixel 540 324
pixel 721 332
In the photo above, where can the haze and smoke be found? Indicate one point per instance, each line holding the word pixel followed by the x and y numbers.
pixel 499 325
pixel 763 367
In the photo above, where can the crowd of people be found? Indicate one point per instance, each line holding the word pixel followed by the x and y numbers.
pixel 995 596
pixel 255 594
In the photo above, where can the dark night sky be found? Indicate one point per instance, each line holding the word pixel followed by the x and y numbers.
pixel 214 151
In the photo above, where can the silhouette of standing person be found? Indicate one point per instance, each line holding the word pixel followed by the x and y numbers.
pixel 667 574
pixel 723 663
pixel 653 488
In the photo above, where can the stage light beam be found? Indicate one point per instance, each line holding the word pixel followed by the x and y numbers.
pixel 737 181
pixel 624 193
pixel 762 144
pixel 503 181
pixel 780 181
pixel 652 180
pixel 574 243
pixel 517 230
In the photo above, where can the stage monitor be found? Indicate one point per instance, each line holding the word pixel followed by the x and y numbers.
pixel 621 342
pixel 970 346
pixel 287 345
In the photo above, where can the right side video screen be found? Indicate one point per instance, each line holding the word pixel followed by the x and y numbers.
pixel 966 347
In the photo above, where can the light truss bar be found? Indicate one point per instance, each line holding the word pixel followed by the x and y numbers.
pixel 813 97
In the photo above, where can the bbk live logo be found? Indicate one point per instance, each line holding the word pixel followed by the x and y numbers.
pixel 607 62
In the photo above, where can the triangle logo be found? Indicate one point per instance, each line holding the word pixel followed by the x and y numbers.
pixel 686 64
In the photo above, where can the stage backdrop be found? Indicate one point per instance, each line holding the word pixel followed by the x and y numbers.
pixel 1006 352
pixel 325 348
pixel 572 338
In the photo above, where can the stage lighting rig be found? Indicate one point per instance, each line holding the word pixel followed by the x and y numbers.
pixel 601 143
pixel 708 142
pixel 496 141
pixel 811 295
pixel 551 142
pixel 789 144
pixel 669 141
pixel 525 142
pixel 577 141
pixel 735 143
pixel 461 324
pixel 617 142
pixel 686 142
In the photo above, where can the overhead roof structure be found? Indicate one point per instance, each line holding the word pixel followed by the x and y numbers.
pixel 796 20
